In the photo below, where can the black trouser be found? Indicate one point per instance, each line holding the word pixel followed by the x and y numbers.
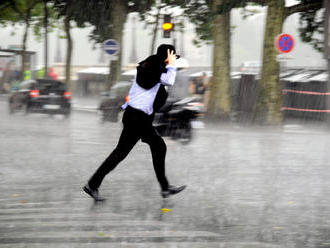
pixel 137 125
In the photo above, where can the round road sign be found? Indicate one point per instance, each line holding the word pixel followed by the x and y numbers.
pixel 111 47
pixel 284 43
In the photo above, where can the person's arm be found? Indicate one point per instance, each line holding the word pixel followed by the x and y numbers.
pixel 168 78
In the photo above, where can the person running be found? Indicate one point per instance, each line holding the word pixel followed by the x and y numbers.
pixel 146 96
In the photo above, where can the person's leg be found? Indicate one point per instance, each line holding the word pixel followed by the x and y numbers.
pixel 127 140
pixel 158 152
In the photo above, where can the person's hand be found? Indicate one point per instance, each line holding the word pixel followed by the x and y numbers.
pixel 170 57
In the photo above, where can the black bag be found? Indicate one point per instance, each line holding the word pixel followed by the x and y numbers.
pixel 160 99
pixel 149 72
pixel 148 75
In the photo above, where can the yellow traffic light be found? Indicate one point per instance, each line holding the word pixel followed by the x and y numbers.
pixel 167 26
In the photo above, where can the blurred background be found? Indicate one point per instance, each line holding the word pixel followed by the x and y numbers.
pixel 246 123
pixel 54 39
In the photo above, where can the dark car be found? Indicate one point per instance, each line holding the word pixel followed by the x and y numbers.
pixel 41 96
pixel 112 101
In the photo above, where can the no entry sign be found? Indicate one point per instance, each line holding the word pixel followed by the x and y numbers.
pixel 284 43
pixel 111 47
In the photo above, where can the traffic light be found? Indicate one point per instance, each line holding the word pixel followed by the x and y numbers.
pixel 167 26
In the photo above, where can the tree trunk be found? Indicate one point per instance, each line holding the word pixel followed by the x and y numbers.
pixel 69 47
pixel 219 105
pixel 46 37
pixel 118 19
pixel 26 31
pixel 269 101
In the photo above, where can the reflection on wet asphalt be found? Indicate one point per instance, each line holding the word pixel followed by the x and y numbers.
pixel 257 187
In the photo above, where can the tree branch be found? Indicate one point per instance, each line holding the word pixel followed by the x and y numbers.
pixel 301 8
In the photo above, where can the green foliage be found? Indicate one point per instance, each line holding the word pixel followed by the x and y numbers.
pixel 7 14
pixel 311 28
pixel 140 6
pixel 228 5
pixel 98 14
pixel 150 17
pixel 311 19
pixel 38 22
pixel 200 14
pixel 25 10
pixel 71 10
pixel 78 11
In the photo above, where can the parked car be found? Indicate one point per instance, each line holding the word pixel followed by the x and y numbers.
pixel 110 105
pixel 41 96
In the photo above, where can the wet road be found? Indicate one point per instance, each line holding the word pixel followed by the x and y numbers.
pixel 246 187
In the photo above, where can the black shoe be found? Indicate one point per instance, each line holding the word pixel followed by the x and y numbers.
pixel 172 190
pixel 94 193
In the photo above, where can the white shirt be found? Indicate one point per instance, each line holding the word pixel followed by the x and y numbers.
pixel 143 99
